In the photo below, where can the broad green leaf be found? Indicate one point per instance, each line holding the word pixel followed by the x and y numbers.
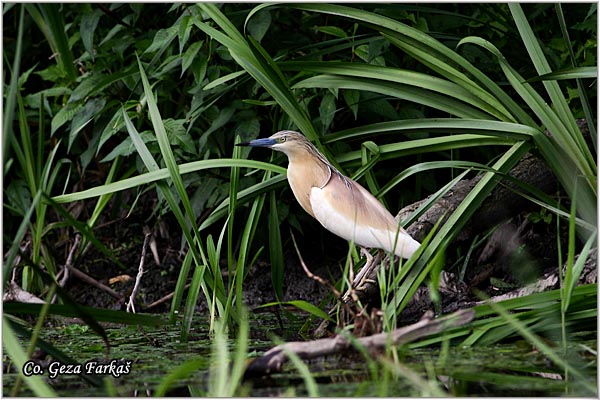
pixel 263 70
pixel 162 39
pixel 260 25
pixel 185 28
pixel 89 22
pixel 190 55
pixel 332 30
pixel 327 111
pixel 64 115
pixel 352 98
pixel 84 116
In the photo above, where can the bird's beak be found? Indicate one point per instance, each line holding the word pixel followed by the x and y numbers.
pixel 266 142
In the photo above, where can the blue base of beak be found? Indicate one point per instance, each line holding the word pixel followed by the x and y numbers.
pixel 266 142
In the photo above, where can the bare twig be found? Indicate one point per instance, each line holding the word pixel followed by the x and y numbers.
pixel 68 264
pixel 138 278
pixel 317 278
pixel 165 298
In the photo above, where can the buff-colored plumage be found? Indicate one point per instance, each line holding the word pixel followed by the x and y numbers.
pixel 340 204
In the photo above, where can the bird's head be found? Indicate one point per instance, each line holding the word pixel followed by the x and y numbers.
pixel 288 142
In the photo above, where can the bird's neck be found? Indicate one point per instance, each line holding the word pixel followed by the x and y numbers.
pixel 304 173
pixel 310 169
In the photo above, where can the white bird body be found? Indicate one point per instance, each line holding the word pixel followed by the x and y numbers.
pixel 339 203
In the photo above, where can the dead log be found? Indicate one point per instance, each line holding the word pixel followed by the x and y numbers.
pixel 502 204
pixel 272 361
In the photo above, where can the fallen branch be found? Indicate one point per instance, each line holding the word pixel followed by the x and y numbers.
pixel 14 292
pixel 88 279
pixel 273 360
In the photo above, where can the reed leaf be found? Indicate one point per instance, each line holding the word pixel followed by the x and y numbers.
pixel 412 277
pixel 13 349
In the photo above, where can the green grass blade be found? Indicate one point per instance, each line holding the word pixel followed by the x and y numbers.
pixel 421 146
pixel 571 73
pixel 275 248
pixel 163 173
pixel 413 277
pixel 541 345
pixel 304 371
pixel 13 87
pixel 16 242
pixel 245 243
pixel 99 314
pixel 396 90
pixel 394 75
pixel 433 198
pixel 13 349
pixel 167 153
pixel 559 102
pixel 244 196
pixel 587 109
pixel 427 166
pixel 437 126
pixel 178 373
pixel 51 23
pixel 192 299
pixel 301 305
pixel 180 286
pixel 104 199
pixel 536 54
pixel 234 180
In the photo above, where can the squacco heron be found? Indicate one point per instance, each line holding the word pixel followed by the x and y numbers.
pixel 339 203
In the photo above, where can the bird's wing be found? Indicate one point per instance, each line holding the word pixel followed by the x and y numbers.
pixel 385 227
pixel 351 212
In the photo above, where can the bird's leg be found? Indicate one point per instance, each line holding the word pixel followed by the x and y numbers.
pixel 366 270
pixel 363 279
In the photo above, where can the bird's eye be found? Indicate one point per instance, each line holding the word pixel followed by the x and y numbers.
pixel 282 139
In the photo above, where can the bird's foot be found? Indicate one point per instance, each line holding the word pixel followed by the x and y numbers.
pixel 364 284
pixel 364 276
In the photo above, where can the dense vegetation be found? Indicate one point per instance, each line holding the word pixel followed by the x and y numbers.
pixel 138 106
